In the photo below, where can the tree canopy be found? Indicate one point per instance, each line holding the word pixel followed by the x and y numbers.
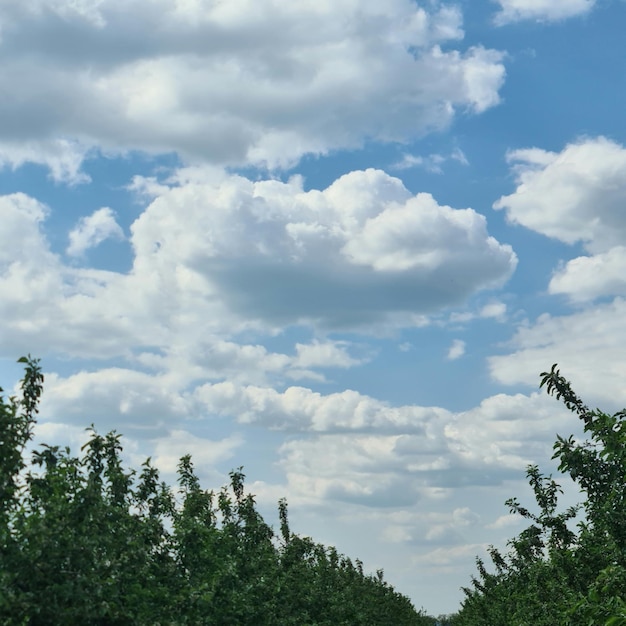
pixel 84 540
pixel 560 571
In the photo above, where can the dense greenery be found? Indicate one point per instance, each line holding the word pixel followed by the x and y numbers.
pixel 558 571
pixel 85 541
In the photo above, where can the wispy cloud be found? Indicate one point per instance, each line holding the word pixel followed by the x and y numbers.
pixel 457 350
pixel 93 230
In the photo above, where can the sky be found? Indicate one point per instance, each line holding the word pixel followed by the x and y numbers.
pixel 335 243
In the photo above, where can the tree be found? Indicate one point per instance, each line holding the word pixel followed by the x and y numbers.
pixel 552 574
pixel 84 540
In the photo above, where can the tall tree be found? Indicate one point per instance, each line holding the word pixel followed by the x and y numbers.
pixel 554 574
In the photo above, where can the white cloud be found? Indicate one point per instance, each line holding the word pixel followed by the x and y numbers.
pixel 20 235
pixel 116 396
pixel 589 277
pixel 508 432
pixel 324 354
pixel 488 445
pixel 215 255
pixel 93 230
pixel 62 157
pixel 575 195
pixel 242 82
pixel 541 10
pixel 300 408
pixel 457 350
pixel 495 310
pixel 205 453
pixel 433 162
pixel 506 521
pixel 459 155
pixel 352 254
pixel 588 346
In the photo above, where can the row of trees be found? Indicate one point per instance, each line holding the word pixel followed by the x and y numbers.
pixel 559 571
pixel 83 540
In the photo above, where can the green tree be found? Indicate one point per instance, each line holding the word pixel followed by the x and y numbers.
pixel 553 574
pixel 85 541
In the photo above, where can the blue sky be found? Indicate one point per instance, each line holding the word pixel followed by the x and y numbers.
pixel 333 242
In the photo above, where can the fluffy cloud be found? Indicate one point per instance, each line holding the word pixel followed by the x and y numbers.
pixel 575 195
pixel 349 446
pixel 93 230
pixel 216 254
pixel 62 157
pixel 588 346
pixel 301 409
pixel 352 254
pixel 116 396
pixel 396 462
pixel 589 277
pixel 205 453
pixel 238 82
pixel 497 438
pixel 541 10
pixel 507 432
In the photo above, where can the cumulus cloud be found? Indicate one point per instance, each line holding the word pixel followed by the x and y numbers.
pixel 588 346
pixel 347 445
pixel 216 254
pixel 301 409
pixel 64 158
pixel 541 10
pixel 586 278
pixel 113 396
pixel 325 354
pixel 494 310
pixel 93 230
pixel 575 195
pixel 352 254
pixel 205 453
pixel 397 465
pixel 237 82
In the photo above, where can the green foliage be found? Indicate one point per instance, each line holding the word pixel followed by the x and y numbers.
pixel 551 574
pixel 85 541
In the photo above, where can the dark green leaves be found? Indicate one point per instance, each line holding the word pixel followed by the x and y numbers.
pixel 83 540
pixel 552 574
